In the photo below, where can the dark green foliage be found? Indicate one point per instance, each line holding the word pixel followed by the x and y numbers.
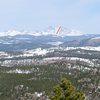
pixel 66 91
pixel 44 77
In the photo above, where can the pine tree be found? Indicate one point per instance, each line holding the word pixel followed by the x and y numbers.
pixel 66 91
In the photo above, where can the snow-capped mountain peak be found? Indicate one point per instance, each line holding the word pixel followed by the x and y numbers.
pixel 62 32
pixel 10 33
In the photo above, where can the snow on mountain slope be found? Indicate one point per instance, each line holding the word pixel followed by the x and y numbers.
pixel 55 43
pixel 43 52
pixel 84 48
pixel 95 38
pixel 10 33
pixel 62 32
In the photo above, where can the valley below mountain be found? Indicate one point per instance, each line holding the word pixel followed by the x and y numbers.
pixel 39 60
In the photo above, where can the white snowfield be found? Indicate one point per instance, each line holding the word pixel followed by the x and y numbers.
pixel 64 32
pixel 85 48
pixel 38 51
pixel 42 52
pixel 95 38
pixel 55 43
pixel 19 71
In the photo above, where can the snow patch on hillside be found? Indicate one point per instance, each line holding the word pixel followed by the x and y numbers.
pixel 38 51
pixel 95 38
pixel 55 43
pixel 19 71
pixel 84 48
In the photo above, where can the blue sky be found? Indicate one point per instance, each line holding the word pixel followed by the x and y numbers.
pixel 30 15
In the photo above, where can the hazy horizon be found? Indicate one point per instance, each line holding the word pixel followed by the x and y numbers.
pixel 31 15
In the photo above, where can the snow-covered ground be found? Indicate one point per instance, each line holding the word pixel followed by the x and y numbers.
pixel 55 43
pixel 19 71
pixel 40 51
pixel 84 48
pixel 11 61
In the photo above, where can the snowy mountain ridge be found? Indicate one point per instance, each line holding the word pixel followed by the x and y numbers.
pixel 62 32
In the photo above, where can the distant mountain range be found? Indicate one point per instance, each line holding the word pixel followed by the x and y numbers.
pixel 50 31
pixel 18 41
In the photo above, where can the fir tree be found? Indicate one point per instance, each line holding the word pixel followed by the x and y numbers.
pixel 66 91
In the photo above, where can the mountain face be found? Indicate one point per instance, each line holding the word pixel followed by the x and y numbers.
pixel 18 41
